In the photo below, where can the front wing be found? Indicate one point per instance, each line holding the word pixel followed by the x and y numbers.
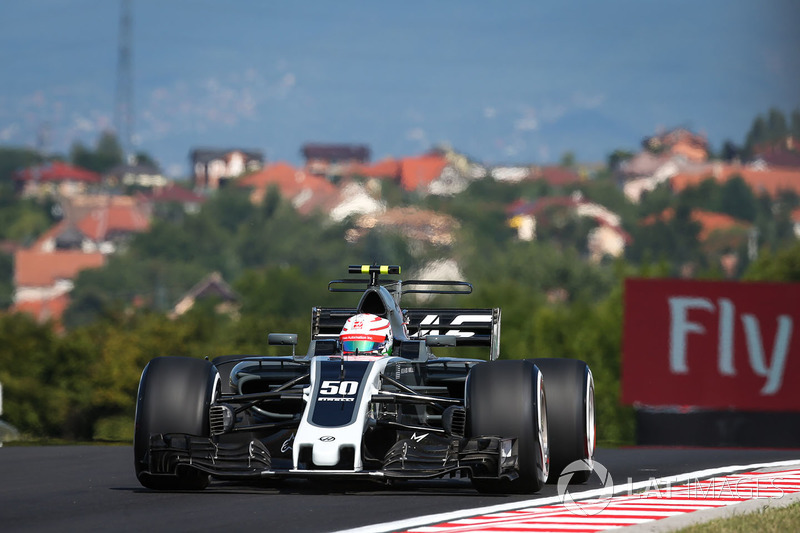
pixel 428 457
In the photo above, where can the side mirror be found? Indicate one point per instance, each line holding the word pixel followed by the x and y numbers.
pixel 441 340
pixel 282 339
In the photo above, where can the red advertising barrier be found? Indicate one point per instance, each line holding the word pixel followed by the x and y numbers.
pixel 721 345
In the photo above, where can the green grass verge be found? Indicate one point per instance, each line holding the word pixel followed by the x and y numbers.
pixel 764 520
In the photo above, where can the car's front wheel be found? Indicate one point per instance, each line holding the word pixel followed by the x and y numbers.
pixel 174 397
pixel 507 399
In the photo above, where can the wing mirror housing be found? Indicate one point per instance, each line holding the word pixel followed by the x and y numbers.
pixel 283 339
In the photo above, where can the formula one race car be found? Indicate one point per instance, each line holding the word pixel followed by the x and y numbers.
pixel 369 400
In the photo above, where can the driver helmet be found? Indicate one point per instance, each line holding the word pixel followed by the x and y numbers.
pixel 366 334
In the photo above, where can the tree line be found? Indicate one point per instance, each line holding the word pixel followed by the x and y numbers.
pixel 81 384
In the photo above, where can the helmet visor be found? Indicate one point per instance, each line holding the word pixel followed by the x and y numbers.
pixel 362 346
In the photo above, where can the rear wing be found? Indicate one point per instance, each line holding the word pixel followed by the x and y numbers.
pixel 470 327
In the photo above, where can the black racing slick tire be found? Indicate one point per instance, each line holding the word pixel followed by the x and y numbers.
pixel 174 397
pixel 570 412
pixel 507 399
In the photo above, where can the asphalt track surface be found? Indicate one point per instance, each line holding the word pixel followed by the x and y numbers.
pixel 93 488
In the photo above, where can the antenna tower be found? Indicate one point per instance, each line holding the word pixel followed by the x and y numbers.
pixel 123 108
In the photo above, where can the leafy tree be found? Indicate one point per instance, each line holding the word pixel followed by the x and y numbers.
pixel 771 129
pixel 730 151
pixel 617 157
pixel 27 350
pixel 143 158
pixel 22 220
pixel 675 239
pixel 6 280
pixel 758 134
pixel 706 195
pixel 603 190
pixel 656 201
pixel 780 266
pixel 737 199
pixel 107 154
pixel 568 159
pixel 14 159
pixel 795 123
pixel 776 125
pixel 230 209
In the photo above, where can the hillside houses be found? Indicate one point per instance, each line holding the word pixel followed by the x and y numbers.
pixel 607 238
pixel 93 228
pixel 329 160
pixel 720 234
pixel 160 198
pixel 709 222
pixel 679 142
pixel 342 183
pixel 769 180
pixel 43 280
pixel 55 179
pixel 136 175
pixel 307 192
pixel 211 168
pixel 680 158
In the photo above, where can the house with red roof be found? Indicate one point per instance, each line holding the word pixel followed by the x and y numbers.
pixel 307 192
pixel 442 171
pixel 96 224
pixel 760 179
pixel 93 227
pixel 107 227
pixel 431 173
pixel 55 179
pixel 43 280
pixel 388 168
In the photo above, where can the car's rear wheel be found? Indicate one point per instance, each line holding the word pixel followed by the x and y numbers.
pixel 507 399
pixel 174 397
pixel 570 411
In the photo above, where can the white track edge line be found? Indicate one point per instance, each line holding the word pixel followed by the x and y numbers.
pixel 407 523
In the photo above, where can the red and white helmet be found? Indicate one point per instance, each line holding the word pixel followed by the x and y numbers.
pixel 366 334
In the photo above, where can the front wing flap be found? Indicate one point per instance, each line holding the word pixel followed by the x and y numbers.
pixel 411 458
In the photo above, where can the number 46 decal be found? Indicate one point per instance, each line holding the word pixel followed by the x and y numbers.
pixel 345 388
